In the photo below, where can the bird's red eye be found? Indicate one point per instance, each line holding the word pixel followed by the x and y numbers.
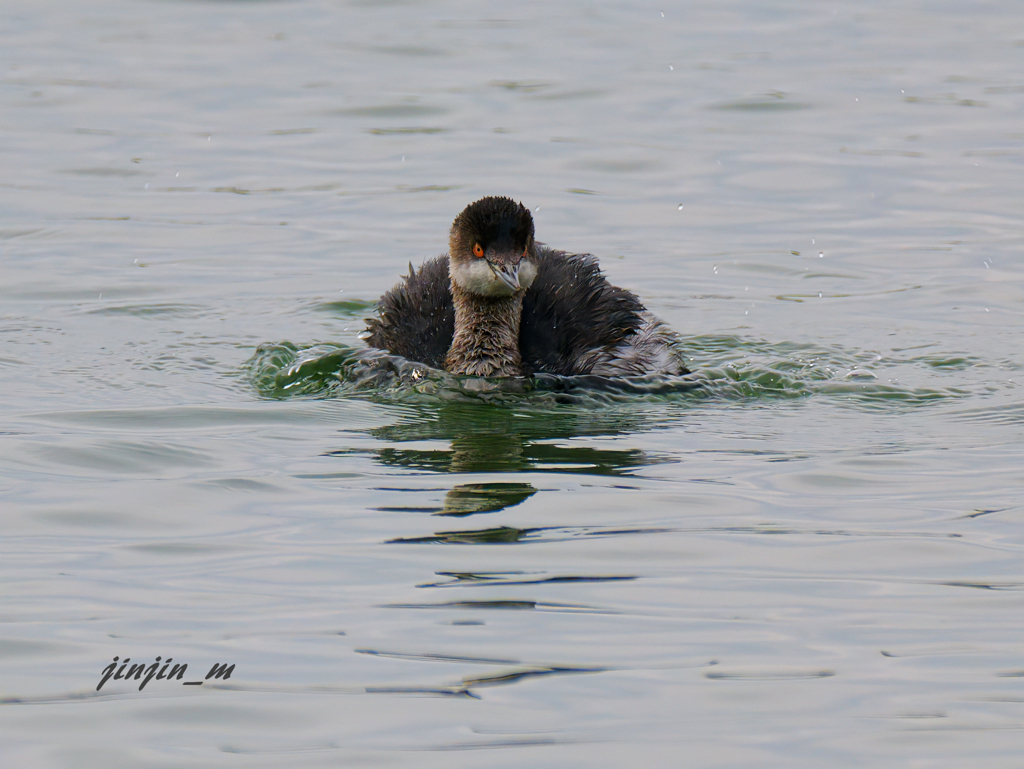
pixel 478 250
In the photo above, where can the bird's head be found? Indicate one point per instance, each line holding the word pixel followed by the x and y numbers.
pixel 492 250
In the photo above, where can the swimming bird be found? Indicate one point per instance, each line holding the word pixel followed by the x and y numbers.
pixel 499 304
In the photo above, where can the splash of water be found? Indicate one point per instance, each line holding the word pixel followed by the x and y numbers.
pixel 732 368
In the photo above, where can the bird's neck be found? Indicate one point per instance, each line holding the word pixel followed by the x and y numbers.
pixel 486 341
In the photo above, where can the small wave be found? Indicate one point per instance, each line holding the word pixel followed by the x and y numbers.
pixel 733 368
pixel 287 370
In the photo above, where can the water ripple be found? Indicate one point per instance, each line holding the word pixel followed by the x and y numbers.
pixel 730 367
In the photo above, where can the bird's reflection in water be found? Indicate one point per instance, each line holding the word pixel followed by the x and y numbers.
pixel 471 498
pixel 485 438
pixel 492 450
pixel 488 438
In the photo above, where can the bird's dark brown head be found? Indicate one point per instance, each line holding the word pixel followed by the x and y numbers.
pixel 492 248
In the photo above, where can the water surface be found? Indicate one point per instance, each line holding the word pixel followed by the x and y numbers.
pixel 812 558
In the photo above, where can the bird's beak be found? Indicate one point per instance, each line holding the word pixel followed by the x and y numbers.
pixel 507 274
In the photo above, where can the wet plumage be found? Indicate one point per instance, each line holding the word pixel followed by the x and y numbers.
pixel 516 308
